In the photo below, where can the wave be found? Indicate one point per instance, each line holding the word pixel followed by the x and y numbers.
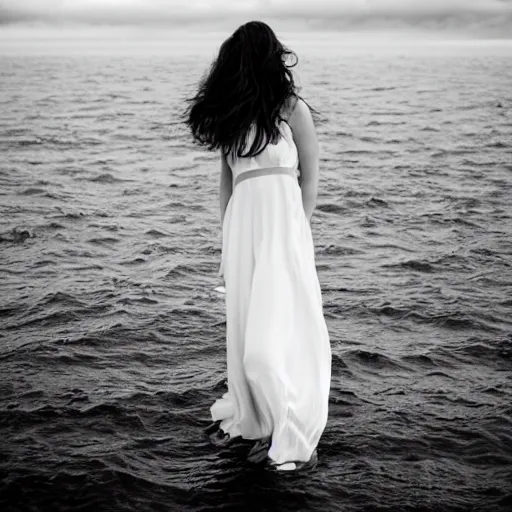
pixel 416 265
pixel 104 178
pixel 331 208
pixel 372 360
pixel 16 235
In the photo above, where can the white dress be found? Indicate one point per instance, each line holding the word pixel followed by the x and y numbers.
pixel 278 347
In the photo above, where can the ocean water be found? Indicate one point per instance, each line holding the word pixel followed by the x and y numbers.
pixel 112 341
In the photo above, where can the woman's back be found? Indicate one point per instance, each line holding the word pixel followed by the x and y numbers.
pixel 282 154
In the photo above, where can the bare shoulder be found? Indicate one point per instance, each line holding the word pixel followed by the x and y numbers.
pixel 298 106
pixel 300 119
pixel 295 107
pixel 289 106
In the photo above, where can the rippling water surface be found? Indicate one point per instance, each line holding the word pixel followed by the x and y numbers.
pixel 113 337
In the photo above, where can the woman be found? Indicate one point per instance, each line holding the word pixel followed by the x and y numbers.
pixel 278 348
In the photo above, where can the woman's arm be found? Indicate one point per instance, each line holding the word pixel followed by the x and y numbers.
pixel 226 185
pixel 304 135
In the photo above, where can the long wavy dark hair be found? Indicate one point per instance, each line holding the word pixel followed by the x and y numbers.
pixel 250 82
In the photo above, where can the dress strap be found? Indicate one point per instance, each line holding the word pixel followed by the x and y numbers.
pixel 292 171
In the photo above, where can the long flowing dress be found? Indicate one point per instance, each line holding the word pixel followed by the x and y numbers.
pixel 278 347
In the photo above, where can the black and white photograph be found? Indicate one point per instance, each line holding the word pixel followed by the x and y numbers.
pixel 256 256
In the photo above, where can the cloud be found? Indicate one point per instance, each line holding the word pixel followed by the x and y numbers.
pixel 491 15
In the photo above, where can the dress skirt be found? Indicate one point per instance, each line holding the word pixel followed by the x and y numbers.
pixel 278 347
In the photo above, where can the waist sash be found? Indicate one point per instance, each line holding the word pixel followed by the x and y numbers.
pixel 292 171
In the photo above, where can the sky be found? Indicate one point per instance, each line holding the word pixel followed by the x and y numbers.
pixel 473 18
